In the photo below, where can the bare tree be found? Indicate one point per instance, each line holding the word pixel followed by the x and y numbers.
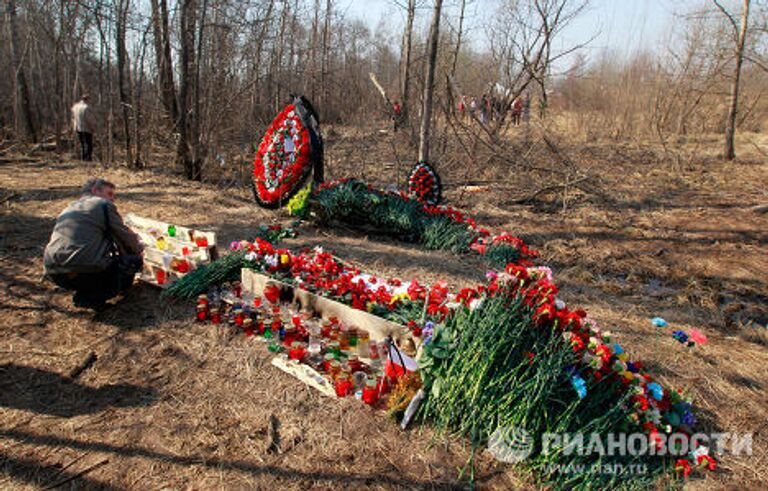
pixel 184 151
pixel 162 44
pixel 123 74
pixel 740 36
pixel 23 114
pixel 429 82
pixel 405 60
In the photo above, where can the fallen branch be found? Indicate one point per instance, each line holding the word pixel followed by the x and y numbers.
pixel 547 189
pixel 87 363
pixel 78 475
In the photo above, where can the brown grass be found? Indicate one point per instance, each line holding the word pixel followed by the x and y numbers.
pixel 171 403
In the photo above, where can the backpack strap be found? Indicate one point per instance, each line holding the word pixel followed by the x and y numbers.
pixel 112 247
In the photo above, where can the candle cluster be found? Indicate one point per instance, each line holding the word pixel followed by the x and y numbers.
pixel 343 353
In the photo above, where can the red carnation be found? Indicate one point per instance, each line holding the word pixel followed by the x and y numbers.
pixel 683 467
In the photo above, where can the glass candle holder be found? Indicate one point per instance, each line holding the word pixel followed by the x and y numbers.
pixel 363 338
pixel 327 359
pixel 248 326
pixel 202 312
pixel 325 328
pixel 334 347
pixel 344 337
pixel 238 317
pixel 297 351
pixel 343 386
pixel 352 336
pixel 354 363
pixel 290 335
pixel 370 392
pixel 334 369
pixel 215 315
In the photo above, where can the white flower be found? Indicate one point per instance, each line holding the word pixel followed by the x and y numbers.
pixel 700 450
pixel 251 256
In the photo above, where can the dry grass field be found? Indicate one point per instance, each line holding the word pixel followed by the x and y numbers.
pixel 173 404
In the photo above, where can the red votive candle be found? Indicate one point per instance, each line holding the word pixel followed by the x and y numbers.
pixel 239 317
pixel 297 351
pixel 202 312
pixel 248 326
pixel 343 385
pixel 370 392
pixel 215 316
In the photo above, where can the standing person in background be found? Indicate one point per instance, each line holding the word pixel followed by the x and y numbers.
pixel 517 110
pixel 526 108
pixel 397 115
pixel 84 124
pixel 484 109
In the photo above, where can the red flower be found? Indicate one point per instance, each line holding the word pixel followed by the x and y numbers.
pixel 706 462
pixel 683 467
pixel 544 314
pixel 272 292
pixel 640 402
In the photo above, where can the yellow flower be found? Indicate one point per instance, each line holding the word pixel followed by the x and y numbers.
pixel 285 259
pixel 400 296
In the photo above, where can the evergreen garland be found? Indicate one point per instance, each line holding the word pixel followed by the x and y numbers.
pixel 356 204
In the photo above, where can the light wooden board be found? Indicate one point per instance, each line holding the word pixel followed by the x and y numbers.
pixel 305 373
pixel 326 308
pixel 159 259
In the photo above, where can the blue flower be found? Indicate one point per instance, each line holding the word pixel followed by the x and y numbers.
pixel 659 322
pixel 680 336
pixel 689 419
pixel 656 391
pixel 579 385
pixel 617 350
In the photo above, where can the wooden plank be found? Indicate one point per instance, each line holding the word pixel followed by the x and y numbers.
pixel 182 233
pixel 156 259
pixel 254 283
pixel 304 373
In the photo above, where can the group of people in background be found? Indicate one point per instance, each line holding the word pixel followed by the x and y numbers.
pixel 488 108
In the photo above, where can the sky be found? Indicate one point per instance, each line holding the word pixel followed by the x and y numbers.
pixel 621 26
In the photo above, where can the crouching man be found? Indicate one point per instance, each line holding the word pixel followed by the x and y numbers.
pixel 91 250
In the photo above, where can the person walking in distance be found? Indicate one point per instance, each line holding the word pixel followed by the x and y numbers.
pixel 84 124
pixel 517 110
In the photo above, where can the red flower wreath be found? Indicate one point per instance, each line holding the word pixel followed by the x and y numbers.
pixel 424 184
pixel 279 167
